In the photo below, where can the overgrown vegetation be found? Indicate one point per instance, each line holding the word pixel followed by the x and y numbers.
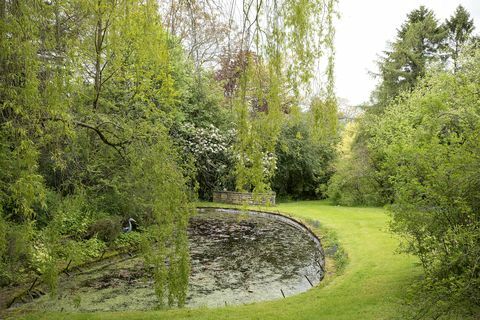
pixel 89 92
pixel 331 246
pixel 111 110
pixel 416 149
pixel 436 198
pixel 303 163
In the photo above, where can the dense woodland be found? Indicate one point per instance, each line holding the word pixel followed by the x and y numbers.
pixel 117 109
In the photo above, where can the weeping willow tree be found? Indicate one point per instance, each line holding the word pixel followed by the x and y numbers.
pixel 155 181
pixel 88 93
pixel 293 59
pixel 21 187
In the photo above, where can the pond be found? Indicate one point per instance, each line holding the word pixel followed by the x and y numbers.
pixel 236 257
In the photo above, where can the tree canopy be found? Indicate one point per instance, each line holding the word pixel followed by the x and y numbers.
pixel 417 46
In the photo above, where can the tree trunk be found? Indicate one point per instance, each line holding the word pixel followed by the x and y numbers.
pixel 99 34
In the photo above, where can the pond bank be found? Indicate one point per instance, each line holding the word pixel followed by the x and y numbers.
pixel 236 256
pixel 371 286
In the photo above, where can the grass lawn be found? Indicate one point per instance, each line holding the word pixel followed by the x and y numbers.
pixel 370 287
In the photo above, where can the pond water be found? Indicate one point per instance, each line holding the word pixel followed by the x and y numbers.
pixel 236 257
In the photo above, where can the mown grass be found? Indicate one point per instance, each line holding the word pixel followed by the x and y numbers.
pixel 370 287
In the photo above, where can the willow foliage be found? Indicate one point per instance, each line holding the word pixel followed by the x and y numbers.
pixel 289 37
pixel 88 94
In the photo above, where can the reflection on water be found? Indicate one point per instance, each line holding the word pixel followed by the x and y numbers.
pixel 236 258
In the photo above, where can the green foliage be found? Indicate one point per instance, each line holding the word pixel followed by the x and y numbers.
pixel 296 31
pixel 334 249
pixel 355 181
pixel 20 105
pixel 89 92
pixel 128 241
pixel 421 45
pixel 71 214
pixel 106 229
pixel 416 47
pixel 324 120
pixel 331 245
pixel 3 249
pixel 77 301
pixel 17 251
pixel 430 146
pixel 459 27
pixel 211 149
pixel 202 101
pixel 418 152
pixel 303 163
pixel 257 130
pixel 156 172
pixel 80 252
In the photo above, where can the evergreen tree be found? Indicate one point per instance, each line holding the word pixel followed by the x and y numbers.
pixel 459 27
pixel 417 45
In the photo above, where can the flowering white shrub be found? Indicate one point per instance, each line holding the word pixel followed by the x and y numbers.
pixel 269 162
pixel 212 152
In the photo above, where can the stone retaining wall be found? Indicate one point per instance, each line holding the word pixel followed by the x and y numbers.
pixel 232 197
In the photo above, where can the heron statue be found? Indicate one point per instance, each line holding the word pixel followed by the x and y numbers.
pixel 130 226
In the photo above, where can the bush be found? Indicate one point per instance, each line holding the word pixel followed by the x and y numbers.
pixel 430 146
pixel 355 182
pixel 106 229
pixel 303 165
pixel 212 152
pixel 16 251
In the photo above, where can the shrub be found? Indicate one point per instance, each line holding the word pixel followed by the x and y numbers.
pixel 430 146
pixel 106 229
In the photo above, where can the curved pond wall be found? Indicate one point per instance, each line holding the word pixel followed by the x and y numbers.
pixel 254 256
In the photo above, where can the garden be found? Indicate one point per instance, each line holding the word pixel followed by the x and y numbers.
pixel 193 159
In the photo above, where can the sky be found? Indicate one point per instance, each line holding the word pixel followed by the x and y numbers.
pixel 363 31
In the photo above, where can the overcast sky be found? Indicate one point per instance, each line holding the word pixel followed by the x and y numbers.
pixel 363 31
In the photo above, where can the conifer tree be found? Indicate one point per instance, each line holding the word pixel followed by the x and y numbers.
pixel 417 45
pixel 459 27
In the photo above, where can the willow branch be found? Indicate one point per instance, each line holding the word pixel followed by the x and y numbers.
pixel 118 146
